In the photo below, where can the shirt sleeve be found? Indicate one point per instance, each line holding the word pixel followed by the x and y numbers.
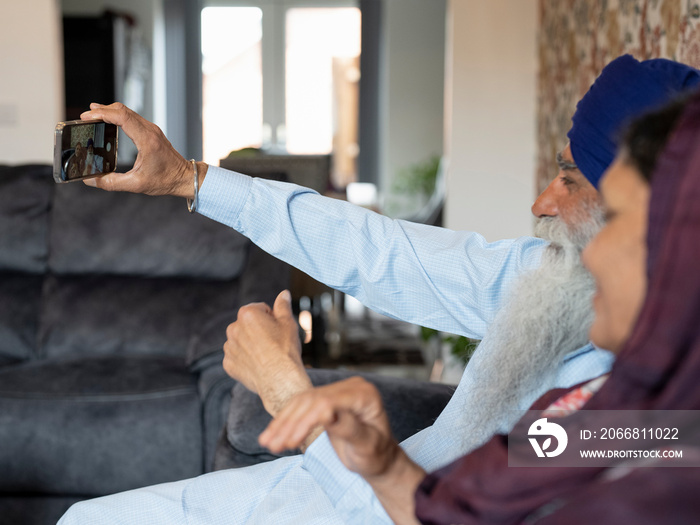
pixel 351 496
pixel 452 281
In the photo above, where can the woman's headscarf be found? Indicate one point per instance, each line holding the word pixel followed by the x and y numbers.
pixel 658 369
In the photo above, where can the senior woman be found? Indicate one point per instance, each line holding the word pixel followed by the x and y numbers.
pixel 647 310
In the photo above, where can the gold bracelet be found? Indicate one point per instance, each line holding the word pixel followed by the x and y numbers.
pixel 192 203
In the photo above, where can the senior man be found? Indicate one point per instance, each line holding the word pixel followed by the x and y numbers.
pixel 528 299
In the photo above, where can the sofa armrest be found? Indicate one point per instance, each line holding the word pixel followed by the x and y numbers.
pixel 215 388
pixel 411 406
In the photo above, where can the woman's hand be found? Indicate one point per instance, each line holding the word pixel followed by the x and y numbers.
pixel 158 170
pixel 352 414
pixel 351 411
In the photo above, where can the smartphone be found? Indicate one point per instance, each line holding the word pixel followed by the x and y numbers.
pixel 83 149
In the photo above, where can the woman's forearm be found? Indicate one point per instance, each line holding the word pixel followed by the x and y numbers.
pixel 395 488
pixel 352 413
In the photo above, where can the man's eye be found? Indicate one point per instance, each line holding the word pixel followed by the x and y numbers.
pixel 567 181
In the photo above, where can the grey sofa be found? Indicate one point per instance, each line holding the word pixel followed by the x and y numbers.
pixel 107 382
pixel 113 309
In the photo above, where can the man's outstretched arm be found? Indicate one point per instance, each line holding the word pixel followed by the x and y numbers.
pixel 451 281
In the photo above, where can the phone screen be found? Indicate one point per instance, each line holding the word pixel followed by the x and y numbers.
pixel 87 149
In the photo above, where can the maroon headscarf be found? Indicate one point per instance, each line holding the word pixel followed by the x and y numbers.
pixel 658 369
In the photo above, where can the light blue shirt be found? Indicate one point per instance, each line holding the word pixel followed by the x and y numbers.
pixel 452 281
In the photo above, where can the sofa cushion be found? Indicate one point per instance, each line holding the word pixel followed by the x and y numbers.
pixel 25 196
pixel 97 232
pixel 97 426
pixel 19 313
pixel 411 406
pixel 106 315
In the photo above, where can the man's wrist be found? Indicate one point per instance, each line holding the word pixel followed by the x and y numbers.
pixel 276 397
pixel 202 168
pixel 184 185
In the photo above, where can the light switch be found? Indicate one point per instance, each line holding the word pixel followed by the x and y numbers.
pixel 8 114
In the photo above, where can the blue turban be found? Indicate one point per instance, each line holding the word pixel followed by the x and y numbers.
pixel 624 89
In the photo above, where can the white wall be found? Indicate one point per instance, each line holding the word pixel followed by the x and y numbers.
pixel 413 84
pixel 490 105
pixel 31 83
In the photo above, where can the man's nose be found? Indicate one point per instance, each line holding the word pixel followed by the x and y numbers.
pixel 546 204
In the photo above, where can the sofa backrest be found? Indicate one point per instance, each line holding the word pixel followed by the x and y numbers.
pixel 87 272
pixel 25 198
pixel 98 232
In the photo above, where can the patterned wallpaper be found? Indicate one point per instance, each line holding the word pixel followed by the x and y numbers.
pixel 577 38
pixel 82 134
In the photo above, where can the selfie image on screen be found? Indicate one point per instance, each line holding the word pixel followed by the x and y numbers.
pixel 85 151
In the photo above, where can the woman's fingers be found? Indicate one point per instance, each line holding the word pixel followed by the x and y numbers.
pixel 325 406
pixel 352 413
pixel 296 421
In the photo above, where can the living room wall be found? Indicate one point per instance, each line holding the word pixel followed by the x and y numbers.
pixel 514 74
pixel 31 84
pixel 412 85
pixel 490 81
pixel 578 38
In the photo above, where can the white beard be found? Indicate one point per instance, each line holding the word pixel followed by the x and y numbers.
pixel 548 315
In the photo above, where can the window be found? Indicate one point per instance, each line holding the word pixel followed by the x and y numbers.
pixel 322 50
pixel 232 112
pixel 284 76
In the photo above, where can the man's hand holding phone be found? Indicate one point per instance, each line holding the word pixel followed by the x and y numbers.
pixel 158 170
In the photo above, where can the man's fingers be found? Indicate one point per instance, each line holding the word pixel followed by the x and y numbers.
pixel 131 123
pixel 113 182
pixel 106 182
pixel 114 114
pixel 249 311
pixel 282 308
